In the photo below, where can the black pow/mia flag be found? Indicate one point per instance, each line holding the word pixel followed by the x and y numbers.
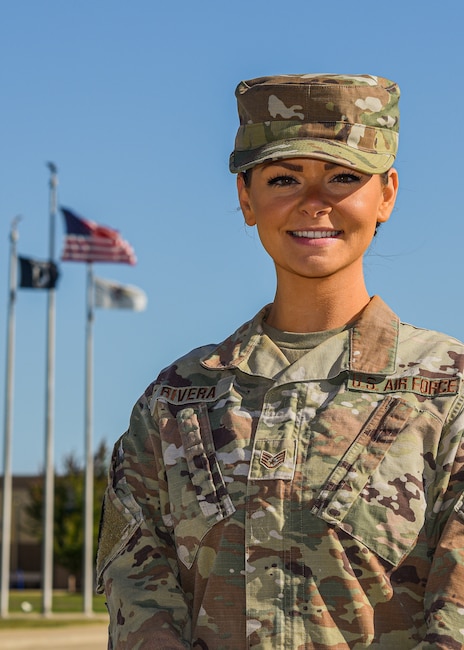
pixel 35 274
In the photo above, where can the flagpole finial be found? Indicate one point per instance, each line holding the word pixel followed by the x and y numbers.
pixel 14 226
pixel 53 176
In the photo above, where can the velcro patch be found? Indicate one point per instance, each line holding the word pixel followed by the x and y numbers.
pixel 116 529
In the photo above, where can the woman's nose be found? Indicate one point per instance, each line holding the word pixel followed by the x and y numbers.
pixel 313 204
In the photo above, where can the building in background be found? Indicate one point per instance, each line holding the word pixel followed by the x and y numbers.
pixel 26 552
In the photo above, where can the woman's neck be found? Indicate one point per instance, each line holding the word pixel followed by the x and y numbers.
pixel 316 304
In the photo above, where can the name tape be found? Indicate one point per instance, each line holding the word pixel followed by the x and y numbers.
pixel 192 394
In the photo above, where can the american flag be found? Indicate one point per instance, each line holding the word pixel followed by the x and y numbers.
pixel 86 241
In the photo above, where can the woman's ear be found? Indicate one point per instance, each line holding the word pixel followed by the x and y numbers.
pixel 244 200
pixel 389 193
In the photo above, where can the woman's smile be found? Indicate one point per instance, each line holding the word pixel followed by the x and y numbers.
pixel 315 236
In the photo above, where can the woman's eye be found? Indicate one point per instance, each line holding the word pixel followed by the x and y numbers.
pixel 346 177
pixel 282 180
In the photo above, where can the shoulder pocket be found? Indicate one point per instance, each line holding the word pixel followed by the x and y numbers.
pixel 375 493
pixel 119 521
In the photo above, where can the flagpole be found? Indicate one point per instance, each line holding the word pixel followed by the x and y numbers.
pixel 7 477
pixel 88 488
pixel 48 516
pixel 88 242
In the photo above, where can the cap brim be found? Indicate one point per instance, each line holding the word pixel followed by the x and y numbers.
pixel 366 162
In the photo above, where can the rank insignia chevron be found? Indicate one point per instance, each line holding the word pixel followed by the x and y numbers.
pixel 271 461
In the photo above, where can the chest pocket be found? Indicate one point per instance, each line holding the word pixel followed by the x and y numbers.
pixel 375 493
pixel 204 499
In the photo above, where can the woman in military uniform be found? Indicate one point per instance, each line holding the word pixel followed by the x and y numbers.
pixel 299 485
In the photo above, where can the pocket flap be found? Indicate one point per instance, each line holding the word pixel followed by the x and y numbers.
pixel 384 512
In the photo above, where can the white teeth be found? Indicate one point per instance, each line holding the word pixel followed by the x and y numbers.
pixel 315 234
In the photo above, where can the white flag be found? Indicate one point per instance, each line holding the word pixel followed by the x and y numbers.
pixel 112 295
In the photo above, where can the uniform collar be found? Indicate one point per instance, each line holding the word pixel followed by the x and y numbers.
pixel 369 345
pixel 374 339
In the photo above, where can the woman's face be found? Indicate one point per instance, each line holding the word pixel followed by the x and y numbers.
pixel 314 218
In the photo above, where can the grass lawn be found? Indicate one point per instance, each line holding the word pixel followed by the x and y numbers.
pixel 28 605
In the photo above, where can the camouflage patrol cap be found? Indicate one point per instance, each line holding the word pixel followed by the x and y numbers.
pixel 351 120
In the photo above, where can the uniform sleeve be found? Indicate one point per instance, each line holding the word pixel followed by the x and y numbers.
pixel 444 597
pixel 136 559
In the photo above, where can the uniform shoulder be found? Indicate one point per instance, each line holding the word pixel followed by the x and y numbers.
pixel 410 331
pixel 203 365
pixel 440 349
pixel 185 366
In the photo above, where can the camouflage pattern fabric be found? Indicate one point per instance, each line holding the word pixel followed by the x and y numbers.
pixel 311 506
pixel 350 120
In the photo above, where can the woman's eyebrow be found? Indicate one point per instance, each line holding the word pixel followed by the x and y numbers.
pixel 296 168
pixel 287 165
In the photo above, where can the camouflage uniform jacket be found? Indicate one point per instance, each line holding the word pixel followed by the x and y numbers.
pixel 310 506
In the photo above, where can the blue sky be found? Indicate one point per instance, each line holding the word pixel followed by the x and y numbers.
pixel 134 102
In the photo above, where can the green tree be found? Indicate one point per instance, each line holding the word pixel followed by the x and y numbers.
pixel 68 533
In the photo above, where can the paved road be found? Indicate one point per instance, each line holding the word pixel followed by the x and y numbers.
pixel 91 636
